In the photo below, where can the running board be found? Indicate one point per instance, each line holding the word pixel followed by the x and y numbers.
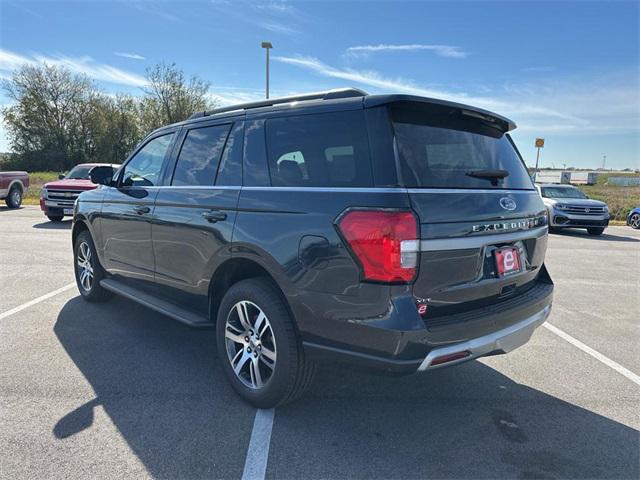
pixel 183 315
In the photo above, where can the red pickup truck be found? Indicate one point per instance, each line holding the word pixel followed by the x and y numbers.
pixel 57 198
pixel 12 187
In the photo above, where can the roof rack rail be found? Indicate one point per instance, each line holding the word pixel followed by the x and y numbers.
pixel 326 95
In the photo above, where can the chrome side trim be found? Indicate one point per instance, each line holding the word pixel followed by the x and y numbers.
pixel 505 340
pixel 471 190
pixel 478 241
pixel 330 189
pixel 343 189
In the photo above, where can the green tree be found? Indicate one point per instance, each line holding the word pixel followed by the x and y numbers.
pixel 118 128
pixel 50 117
pixel 170 97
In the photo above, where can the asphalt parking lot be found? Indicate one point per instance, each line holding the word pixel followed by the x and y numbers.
pixel 115 390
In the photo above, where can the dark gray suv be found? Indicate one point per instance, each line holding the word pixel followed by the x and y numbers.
pixel 392 231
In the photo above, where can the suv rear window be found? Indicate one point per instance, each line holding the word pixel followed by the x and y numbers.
pixel 319 150
pixel 433 154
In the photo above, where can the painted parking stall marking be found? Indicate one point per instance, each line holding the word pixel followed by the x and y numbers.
pixel 255 465
pixel 594 353
pixel 35 301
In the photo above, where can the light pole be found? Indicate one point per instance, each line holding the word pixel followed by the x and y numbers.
pixel 267 46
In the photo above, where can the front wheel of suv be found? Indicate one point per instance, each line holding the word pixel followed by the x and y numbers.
pixel 595 230
pixel 259 347
pixel 88 270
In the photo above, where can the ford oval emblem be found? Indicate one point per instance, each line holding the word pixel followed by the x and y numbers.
pixel 508 203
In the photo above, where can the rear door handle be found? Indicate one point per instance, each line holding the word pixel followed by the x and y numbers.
pixel 141 209
pixel 214 216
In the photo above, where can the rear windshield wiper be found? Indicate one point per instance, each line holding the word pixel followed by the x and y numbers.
pixel 492 175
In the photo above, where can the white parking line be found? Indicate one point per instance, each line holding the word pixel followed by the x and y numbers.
pixel 35 301
pixel 597 355
pixel 255 464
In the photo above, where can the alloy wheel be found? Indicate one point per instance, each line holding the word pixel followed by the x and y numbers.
pixel 85 266
pixel 635 220
pixel 16 197
pixel 250 344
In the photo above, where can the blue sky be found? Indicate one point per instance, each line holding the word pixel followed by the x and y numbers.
pixel 566 71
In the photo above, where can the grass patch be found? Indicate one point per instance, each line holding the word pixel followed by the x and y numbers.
pixel 621 200
pixel 36 181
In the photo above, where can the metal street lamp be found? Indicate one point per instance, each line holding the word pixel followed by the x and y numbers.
pixel 267 46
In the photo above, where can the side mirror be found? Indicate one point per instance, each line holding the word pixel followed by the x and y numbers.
pixel 61 176
pixel 101 175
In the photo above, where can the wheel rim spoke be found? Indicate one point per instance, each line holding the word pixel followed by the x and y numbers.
pixel 255 373
pixel 271 355
pixel 260 323
pixel 243 315
pixel 234 337
pixel 243 360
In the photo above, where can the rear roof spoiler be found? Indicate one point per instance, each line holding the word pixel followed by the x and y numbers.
pixel 500 122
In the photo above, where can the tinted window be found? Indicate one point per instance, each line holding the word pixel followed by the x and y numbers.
pixel 321 150
pixel 230 170
pixel 143 170
pixel 432 154
pixel 199 156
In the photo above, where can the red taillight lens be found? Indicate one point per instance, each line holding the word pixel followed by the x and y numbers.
pixel 385 243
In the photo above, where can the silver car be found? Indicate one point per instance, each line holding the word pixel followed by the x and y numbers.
pixel 569 207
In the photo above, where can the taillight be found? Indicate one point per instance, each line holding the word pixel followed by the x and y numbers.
pixel 384 242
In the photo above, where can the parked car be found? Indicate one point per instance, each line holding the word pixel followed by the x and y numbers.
pixel 570 208
pixel 12 187
pixel 57 198
pixel 393 231
pixel 633 219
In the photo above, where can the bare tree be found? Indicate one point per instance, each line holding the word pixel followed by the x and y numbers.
pixel 170 97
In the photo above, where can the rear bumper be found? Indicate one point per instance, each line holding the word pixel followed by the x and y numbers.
pixel 490 330
pixel 499 342
pixel 502 341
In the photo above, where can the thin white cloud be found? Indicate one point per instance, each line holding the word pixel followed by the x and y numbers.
pixel 275 7
pixel 278 28
pixel 86 65
pixel 448 51
pixel 538 69
pixel 514 107
pixel 131 55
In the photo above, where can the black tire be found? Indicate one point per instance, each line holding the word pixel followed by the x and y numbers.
pixel 634 221
pixel 595 230
pixel 55 218
pixel 292 373
pixel 14 198
pixel 95 292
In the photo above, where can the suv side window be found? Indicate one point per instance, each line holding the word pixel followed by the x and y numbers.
pixel 143 170
pixel 230 169
pixel 319 150
pixel 199 156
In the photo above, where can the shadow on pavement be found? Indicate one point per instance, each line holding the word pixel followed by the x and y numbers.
pixel 161 385
pixel 48 225
pixel 464 422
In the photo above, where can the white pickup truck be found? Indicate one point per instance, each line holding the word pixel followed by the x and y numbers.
pixel 12 187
